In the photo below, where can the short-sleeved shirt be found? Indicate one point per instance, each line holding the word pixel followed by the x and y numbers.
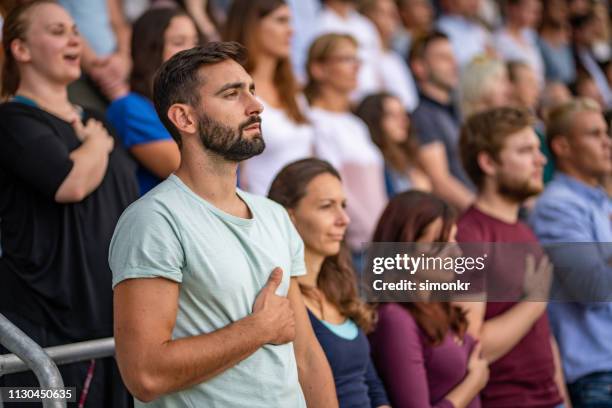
pixel 52 269
pixel 221 263
pixel 136 121
pixel 524 376
pixel 437 122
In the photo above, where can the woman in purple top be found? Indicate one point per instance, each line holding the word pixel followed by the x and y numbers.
pixel 421 349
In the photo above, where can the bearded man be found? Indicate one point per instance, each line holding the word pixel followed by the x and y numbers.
pixel 208 312
pixel 501 154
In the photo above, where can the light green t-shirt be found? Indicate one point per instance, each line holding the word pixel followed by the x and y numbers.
pixel 221 262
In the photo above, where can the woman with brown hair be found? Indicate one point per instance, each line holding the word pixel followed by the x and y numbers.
pixel 421 349
pixel 312 193
pixel 264 27
pixel 389 126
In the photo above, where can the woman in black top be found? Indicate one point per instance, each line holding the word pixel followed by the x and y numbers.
pixel 63 185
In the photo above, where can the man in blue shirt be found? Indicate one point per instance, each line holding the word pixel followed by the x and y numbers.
pixel 575 209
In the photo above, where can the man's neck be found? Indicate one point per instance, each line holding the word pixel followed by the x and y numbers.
pixel 495 205
pixel 210 177
pixel 342 8
pixel 434 92
pixel 587 179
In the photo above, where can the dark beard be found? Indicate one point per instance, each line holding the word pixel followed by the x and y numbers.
pixel 229 143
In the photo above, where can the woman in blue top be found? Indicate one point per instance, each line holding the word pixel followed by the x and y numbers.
pixel 311 191
pixel 157 35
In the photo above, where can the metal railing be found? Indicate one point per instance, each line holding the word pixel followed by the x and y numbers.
pixel 30 356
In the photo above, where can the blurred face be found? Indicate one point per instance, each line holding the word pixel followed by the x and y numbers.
pixel 320 217
pixel 498 91
pixel 417 14
pixel 557 10
pixel 386 19
pixel 441 65
pixel 528 13
pixel 52 45
pixel 274 33
pixel 395 120
pixel 589 145
pixel 527 88
pixel 587 88
pixel 518 170
pixel 340 69
pixel 180 35
pixel 467 8
pixel 579 6
pixel 228 114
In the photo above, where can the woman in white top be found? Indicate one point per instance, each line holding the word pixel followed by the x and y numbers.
pixel 341 137
pixel 264 27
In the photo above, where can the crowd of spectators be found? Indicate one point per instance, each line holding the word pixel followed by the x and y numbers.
pixel 415 120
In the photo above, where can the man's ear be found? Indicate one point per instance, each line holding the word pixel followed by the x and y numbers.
pixel 486 163
pixel 183 118
pixel 20 51
pixel 560 146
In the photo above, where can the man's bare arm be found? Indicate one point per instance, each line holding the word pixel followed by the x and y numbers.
pixel 315 374
pixel 152 364
pixel 433 159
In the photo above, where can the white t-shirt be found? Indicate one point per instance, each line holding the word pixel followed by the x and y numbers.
pixel 344 140
pixel 398 80
pixel 528 52
pixel 363 30
pixel 467 37
pixel 286 142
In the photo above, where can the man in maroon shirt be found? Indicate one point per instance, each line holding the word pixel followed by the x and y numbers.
pixel 500 153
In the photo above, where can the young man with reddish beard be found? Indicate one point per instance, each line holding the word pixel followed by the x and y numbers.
pixel 501 154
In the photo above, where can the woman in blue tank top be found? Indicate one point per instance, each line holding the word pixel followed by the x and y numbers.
pixel 312 193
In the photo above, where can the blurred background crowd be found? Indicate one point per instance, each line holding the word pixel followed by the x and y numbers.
pixel 379 89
